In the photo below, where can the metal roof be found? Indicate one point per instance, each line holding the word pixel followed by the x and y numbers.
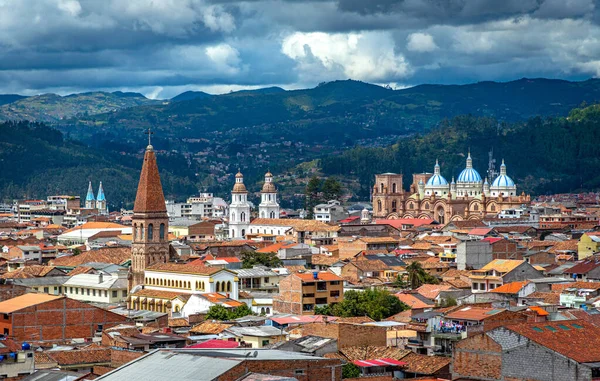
pixel 255 272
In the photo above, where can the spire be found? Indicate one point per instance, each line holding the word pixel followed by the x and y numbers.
pixel 469 160
pixel 149 133
pixel 101 193
pixel 90 193
pixel 150 197
pixel 503 168
pixel 436 168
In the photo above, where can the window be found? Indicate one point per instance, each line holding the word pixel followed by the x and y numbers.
pixel 94 292
pixel 46 290
pixel 77 290
pixel 298 372
pixel 307 307
pixel 394 188
pixel 335 293
pixel 115 294
pixel 266 279
pixel 379 205
pixel 105 293
pixel 88 291
pixel 335 282
pixel 5 316
pixel 99 328
pixel 475 286
pixel 150 232
pixel 70 290
pixel 161 231
pixel 6 332
pixel 124 293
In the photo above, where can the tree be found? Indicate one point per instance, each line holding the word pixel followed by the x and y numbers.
pixel 311 196
pixel 377 304
pixel 324 310
pixel 418 276
pixel 349 370
pixel 217 312
pixel 253 258
pixel 332 189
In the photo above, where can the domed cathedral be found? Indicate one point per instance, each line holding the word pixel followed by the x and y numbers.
pixel 431 197
pixel 150 222
pixel 269 207
pixel 239 209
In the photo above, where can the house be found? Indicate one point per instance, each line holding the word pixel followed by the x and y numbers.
pixel 351 246
pixel 97 288
pixel 417 302
pixel 579 294
pixel 202 231
pixel 501 271
pixel 258 278
pixel 257 337
pixel 300 293
pixel 300 231
pixel 332 211
pixel 364 268
pixel 586 270
pixel 313 345
pixel 473 254
pixel 553 351
pixel 24 253
pixel 19 359
pixel 589 244
pixel 228 364
pixel 52 318
pixel 516 290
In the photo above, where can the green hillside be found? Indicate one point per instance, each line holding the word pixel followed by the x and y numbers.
pixel 55 108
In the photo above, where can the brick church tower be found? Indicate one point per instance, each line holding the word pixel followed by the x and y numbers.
pixel 150 222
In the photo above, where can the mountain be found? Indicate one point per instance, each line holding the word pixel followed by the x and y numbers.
pixel 189 95
pixel 37 160
pixel 343 111
pixel 10 98
pixel 264 90
pixel 54 108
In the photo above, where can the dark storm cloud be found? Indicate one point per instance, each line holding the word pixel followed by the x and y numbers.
pixel 164 46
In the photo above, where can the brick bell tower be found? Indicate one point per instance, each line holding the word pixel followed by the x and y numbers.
pixel 150 222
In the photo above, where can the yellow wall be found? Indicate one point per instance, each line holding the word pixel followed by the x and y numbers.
pixel 586 247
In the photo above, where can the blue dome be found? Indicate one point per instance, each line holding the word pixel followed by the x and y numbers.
pixel 469 175
pixel 436 180
pixel 503 181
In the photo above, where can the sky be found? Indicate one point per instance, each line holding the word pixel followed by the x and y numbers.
pixel 164 47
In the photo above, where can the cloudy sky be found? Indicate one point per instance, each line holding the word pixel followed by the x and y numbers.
pixel 164 47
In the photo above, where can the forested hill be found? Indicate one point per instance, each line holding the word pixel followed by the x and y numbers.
pixel 36 161
pixel 542 155
pixel 341 110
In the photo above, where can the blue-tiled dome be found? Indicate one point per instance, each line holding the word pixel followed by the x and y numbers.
pixel 469 175
pixel 436 181
pixel 503 181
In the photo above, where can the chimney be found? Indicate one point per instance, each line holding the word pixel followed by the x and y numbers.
pixel 100 278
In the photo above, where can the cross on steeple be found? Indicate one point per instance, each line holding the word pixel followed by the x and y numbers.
pixel 149 133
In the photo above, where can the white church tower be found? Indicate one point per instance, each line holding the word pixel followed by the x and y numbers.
pixel 239 209
pixel 268 208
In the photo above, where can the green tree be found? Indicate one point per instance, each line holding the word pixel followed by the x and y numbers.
pixel 377 304
pixel 349 370
pixel 217 312
pixel 253 258
pixel 311 196
pixel 240 311
pixel 324 310
pixel 331 189
pixel 418 276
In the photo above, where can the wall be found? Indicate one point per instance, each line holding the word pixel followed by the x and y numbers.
pixel 477 357
pixel 348 335
pixel 473 255
pixel 289 299
pixel 302 370
pixel 59 320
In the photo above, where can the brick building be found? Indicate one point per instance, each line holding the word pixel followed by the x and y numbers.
pixel 51 318
pixel 347 334
pixel 299 293
pixel 560 350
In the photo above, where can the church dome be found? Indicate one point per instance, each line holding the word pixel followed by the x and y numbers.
pixel 469 174
pixel 503 180
pixel 239 188
pixel 436 180
pixel 268 188
pixel 239 175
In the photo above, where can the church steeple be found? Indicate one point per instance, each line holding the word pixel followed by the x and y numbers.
pixel 90 201
pixel 150 222
pixel 101 200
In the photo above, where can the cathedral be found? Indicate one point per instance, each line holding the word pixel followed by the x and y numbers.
pixel 431 196
pixel 98 202
pixel 239 209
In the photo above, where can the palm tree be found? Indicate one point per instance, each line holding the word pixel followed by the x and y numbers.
pixel 416 274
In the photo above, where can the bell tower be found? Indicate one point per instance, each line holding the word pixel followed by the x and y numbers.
pixel 150 222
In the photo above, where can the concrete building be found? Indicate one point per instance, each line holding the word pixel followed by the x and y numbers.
pixel 97 288
pixel 473 254
pixel 332 211
pixel 300 293
pixel 499 272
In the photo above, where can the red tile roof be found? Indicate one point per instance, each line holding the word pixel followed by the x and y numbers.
pixel 576 339
pixel 510 288
pixel 321 275
pixel 583 267
pixel 414 302
pixel 149 197
pixel 473 313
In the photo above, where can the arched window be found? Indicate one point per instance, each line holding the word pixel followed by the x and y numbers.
pixel 243 232
pixel 493 208
pixel 379 205
pixel 150 232
pixel 142 230
pixel 381 187
pixel 268 310
pixel 411 206
pixel 135 231
pixel 262 310
pixel 232 217
pixel 161 232
pixel 394 206
pixel 476 207
pixel 426 206
pixel 229 286
pixel 243 216
pixel 394 188
pixel 272 214
pixel 176 308
pixel 218 286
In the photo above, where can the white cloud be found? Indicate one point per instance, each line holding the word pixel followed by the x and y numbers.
pixel 420 42
pixel 368 56
pixel 71 7
pixel 226 58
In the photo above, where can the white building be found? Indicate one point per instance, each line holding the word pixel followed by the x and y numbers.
pixel 332 211
pixel 239 209
pixel 269 207
pixel 196 207
pixel 503 185
pixel 97 288
pixel 79 235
